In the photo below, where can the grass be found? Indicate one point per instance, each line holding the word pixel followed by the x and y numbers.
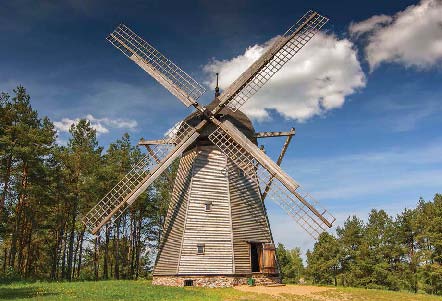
pixel 116 290
pixel 143 290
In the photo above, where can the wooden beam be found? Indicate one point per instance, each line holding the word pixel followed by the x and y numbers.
pixel 155 157
pixel 278 162
pixel 273 169
pixel 152 176
pixel 162 78
pixel 151 142
pixel 275 134
pixel 248 75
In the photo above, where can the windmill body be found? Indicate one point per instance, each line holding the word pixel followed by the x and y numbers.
pixel 216 232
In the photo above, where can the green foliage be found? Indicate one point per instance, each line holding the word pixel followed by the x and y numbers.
pixel 290 263
pixel 45 188
pixel 384 253
pixel 323 262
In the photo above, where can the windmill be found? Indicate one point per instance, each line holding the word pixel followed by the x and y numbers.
pixel 216 232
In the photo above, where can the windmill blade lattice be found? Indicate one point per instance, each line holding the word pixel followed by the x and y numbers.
pixel 123 194
pixel 272 60
pixel 297 204
pixel 172 77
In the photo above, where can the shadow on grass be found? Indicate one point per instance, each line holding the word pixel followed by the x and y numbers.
pixel 7 293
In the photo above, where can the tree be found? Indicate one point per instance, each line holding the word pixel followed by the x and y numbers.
pixel 290 263
pixel 350 238
pixel 81 159
pixel 323 262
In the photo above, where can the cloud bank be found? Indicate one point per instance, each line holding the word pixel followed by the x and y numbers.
pixel 412 37
pixel 101 125
pixel 318 79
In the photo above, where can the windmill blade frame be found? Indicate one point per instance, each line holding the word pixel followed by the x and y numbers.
pixel 166 72
pixel 256 164
pixel 138 179
pixel 283 49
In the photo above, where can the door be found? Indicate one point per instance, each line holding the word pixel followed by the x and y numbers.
pixel 256 257
pixel 269 259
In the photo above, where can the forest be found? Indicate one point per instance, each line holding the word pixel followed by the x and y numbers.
pixel 45 188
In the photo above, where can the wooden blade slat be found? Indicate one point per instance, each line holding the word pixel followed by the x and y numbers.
pixel 285 191
pixel 284 48
pixel 172 77
pixel 134 183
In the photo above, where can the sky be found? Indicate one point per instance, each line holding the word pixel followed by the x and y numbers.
pixel 364 94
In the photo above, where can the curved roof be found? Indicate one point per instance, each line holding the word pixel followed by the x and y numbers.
pixel 238 118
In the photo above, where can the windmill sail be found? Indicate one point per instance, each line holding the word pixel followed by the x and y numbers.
pixel 172 77
pixel 285 191
pixel 271 61
pixel 136 181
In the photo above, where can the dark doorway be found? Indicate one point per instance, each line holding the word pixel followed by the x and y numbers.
pixel 255 257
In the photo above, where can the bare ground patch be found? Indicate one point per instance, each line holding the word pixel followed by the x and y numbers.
pixel 312 292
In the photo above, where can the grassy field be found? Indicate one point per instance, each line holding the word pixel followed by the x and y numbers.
pixel 143 290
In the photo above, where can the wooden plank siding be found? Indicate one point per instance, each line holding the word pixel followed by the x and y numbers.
pixel 211 228
pixel 172 235
pixel 249 220
pixel 237 217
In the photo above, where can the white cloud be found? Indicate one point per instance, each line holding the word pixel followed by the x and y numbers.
pixel 101 125
pixel 315 81
pixel 375 22
pixel 412 37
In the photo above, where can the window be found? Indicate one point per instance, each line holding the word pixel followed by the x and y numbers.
pixel 208 206
pixel 200 248
pixel 240 172
pixel 188 282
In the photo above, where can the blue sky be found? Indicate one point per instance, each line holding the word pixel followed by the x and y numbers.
pixel 374 143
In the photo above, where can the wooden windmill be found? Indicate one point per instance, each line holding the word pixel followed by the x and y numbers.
pixel 216 232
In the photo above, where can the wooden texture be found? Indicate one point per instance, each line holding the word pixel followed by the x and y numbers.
pixel 273 169
pixel 236 218
pixel 274 134
pixel 172 234
pixel 248 217
pixel 211 228
pixel 269 262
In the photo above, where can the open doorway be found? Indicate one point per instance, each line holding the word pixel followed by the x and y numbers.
pixel 256 257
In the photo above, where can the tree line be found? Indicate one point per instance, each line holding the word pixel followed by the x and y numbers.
pixel 404 252
pixel 45 188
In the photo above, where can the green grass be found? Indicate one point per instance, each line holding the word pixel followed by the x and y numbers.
pixel 143 290
pixel 116 290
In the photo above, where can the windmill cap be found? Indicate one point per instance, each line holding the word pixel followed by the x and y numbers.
pixel 238 118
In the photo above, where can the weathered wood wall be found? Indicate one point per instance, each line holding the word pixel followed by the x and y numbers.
pixel 237 217
pixel 172 235
pixel 212 228
pixel 248 217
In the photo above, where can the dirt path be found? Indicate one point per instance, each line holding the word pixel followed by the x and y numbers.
pixel 300 290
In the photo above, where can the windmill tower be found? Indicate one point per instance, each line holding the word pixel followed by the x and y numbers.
pixel 216 232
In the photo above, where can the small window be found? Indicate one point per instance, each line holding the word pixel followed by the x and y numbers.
pixel 188 282
pixel 200 248
pixel 208 206
pixel 240 172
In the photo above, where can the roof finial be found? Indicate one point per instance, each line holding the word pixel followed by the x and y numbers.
pixel 217 88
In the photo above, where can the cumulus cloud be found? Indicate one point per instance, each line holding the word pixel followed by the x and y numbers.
pixel 375 22
pixel 101 125
pixel 412 37
pixel 315 81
